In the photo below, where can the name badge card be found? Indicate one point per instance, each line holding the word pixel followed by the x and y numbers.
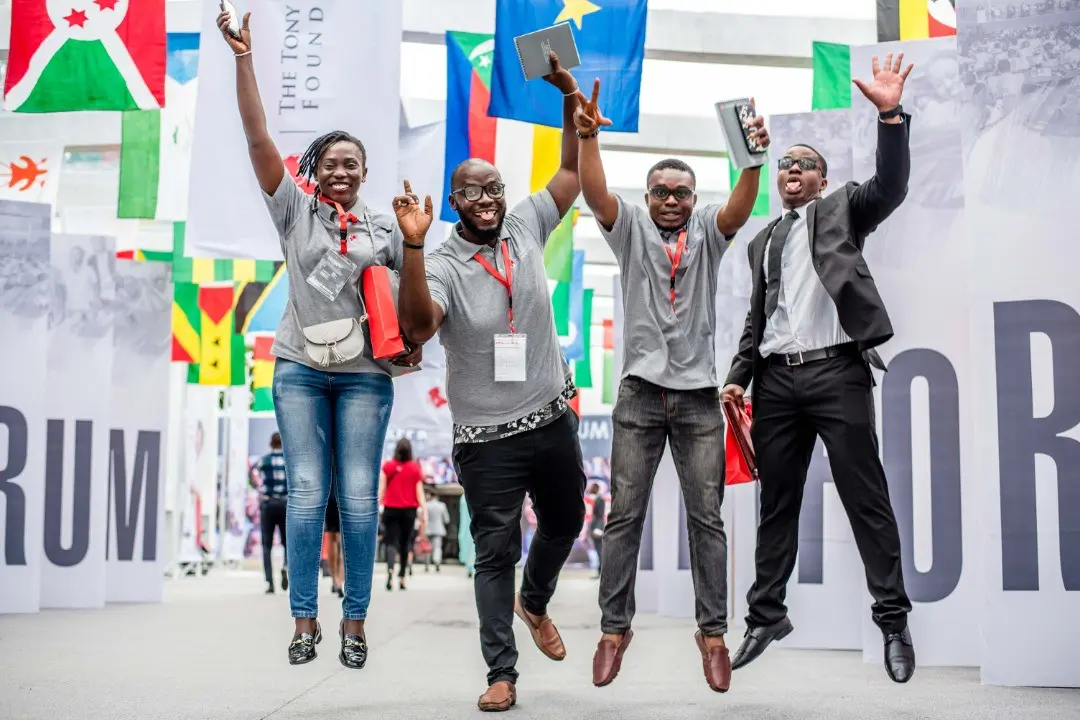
pixel 331 274
pixel 510 358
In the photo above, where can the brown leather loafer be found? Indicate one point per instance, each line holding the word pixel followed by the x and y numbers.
pixel 607 660
pixel 716 663
pixel 500 697
pixel 545 634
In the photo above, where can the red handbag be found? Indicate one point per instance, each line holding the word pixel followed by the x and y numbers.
pixel 740 465
pixel 381 310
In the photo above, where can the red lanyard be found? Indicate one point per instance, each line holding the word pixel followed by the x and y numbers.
pixel 507 281
pixel 675 257
pixel 344 219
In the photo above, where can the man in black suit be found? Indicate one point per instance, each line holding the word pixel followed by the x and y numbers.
pixel 815 315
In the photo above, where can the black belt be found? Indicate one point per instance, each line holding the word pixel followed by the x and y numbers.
pixel 808 356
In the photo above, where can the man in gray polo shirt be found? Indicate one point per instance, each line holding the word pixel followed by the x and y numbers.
pixel 485 291
pixel 668 256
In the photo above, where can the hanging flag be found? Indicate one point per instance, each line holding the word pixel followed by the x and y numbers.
pixel 29 169
pixel 559 250
pixel 262 374
pixel 832 76
pixel 209 270
pixel 469 131
pixel 583 367
pixel 761 202
pixel 186 321
pixel 267 308
pixel 915 19
pixel 86 55
pixel 608 392
pixel 165 256
pixel 155 148
pixel 221 359
pixel 610 37
pixel 566 302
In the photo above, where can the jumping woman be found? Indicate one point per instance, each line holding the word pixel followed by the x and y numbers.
pixel 331 398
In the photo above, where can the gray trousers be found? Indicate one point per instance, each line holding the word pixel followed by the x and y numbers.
pixel 645 417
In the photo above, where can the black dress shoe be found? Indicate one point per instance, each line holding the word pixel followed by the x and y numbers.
pixel 757 639
pixel 899 656
pixel 269 588
pixel 302 647
pixel 284 579
pixel 354 649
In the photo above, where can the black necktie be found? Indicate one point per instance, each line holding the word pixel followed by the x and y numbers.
pixel 776 253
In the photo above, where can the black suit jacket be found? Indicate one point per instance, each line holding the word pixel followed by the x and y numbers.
pixel 838 226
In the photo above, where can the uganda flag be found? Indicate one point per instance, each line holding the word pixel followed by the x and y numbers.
pixel 221 348
pixel 69 55
pixel 915 19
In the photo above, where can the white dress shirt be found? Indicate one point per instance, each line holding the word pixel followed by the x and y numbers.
pixel 805 317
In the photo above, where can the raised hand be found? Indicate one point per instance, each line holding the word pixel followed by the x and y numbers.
pixel 887 86
pixel 587 118
pixel 560 77
pixel 413 220
pixel 241 45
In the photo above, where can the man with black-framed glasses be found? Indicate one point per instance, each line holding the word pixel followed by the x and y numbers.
pixel 485 291
pixel 669 254
pixel 815 317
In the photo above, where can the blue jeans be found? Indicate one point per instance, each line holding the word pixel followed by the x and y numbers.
pixel 331 425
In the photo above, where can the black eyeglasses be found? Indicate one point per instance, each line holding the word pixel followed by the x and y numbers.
pixel 661 192
pixel 805 163
pixel 472 193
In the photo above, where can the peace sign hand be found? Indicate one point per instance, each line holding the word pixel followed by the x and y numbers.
pixel 413 220
pixel 587 117
pixel 888 83
pixel 239 45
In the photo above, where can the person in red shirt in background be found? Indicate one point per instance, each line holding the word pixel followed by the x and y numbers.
pixel 401 495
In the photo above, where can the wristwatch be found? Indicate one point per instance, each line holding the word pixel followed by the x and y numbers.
pixel 889 114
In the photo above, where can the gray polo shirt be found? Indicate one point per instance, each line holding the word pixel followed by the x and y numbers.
pixel 306 235
pixel 475 307
pixel 672 350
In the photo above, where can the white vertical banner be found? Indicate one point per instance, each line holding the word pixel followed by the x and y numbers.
pixel 824 594
pixel 24 318
pixel 237 472
pixel 139 419
pixel 1021 138
pixel 307 90
pixel 77 401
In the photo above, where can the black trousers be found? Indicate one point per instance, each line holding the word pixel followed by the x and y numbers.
pixel 496 475
pixel 272 515
pixel 399 523
pixel 793 406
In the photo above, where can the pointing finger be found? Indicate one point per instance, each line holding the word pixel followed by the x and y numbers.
pixel 595 94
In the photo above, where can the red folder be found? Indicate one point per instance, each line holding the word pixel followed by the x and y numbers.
pixel 383 325
pixel 741 466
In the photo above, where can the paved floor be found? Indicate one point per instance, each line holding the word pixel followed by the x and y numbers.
pixel 216 649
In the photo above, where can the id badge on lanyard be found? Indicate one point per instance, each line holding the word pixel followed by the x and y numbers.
pixel 510 349
pixel 335 268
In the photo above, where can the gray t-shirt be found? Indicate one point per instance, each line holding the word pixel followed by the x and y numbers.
pixel 306 235
pixel 672 350
pixel 475 307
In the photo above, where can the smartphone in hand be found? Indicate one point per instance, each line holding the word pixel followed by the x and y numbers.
pixel 234 18
pixel 746 113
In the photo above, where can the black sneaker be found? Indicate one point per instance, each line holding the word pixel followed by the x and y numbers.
pixel 302 647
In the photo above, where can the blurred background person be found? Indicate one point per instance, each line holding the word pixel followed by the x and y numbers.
pixel 332 528
pixel 438 518
pixel 597 523
pixel 401 494
pixel 274 502
pixel 466 547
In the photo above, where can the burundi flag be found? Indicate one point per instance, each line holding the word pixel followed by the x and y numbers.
pixel 469 131
pixel 70 55
pixel 262 374
pixel 155 148
pixel 915 19
pixel 221 348
pixel 610 37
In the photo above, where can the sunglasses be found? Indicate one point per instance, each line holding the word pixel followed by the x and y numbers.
pixel 472 193
pixel 661 192
pixel 805 163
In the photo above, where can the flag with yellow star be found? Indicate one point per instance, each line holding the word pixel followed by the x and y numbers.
pixel 610 37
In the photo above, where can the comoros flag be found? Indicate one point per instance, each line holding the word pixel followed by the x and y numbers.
pixel 69 55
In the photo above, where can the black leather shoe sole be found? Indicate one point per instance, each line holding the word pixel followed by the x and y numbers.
pixel 754 644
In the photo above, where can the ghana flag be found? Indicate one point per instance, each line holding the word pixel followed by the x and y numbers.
pixel 86 55
pixel 469 131
pixel 915 19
